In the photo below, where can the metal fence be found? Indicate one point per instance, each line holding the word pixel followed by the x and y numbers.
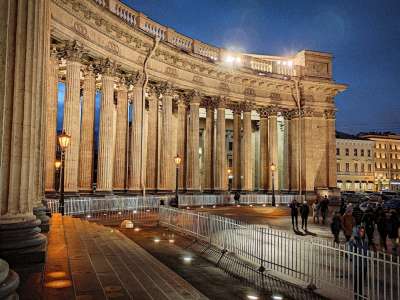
pixel 338 270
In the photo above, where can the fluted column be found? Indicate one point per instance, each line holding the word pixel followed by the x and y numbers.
pixel 208 177
pixel 181 142
pixel 221 179
pixel 87 131
pixel 331 147
pixel 105 164
pixel 284 175
pixel 247 152
pixel 152 142
pixel 51 123
pixel 120 166
pixel 166 155
pixel 264 150
pixel 273 146
pixel 294 151
pixel 193 160
pixel 72 113
pixel 136 139
pixel 236 184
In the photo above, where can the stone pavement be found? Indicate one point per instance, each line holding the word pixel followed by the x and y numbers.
pixel 89 261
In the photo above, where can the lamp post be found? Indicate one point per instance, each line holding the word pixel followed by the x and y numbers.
pixel 177 160
pixel 63 141
pixel 57 165
pixel 229 177
pixel 273 168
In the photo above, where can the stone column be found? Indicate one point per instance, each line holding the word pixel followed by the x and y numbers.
pixel 236 184
pixel 72 116
pixel 193 159
pixel 51 123
pixel 285 178
pixel 152 142
pixel 181 141
pixel 87 132
pixel 209 149
pixel 120 166
pixel 105 165
pixel 273 146
pixel 166 156
pixel 264 150
pixel 135 171
pixel 294 164
pixel 331 148
pixel 247 152
pixel 24 32
pixel 221 178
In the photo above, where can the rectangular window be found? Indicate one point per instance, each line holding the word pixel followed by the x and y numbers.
pixel 362 152
pixel 230 146
pixel 338 167
pixel 347 151
pixel 369 168
pixel 355 152
pixel 369 153
pixel 356 167
pixel 362 168
pixel 347 167
pixel 337 151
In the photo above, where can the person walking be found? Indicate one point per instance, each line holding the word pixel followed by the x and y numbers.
pixel 336 226
pixel 343 206
pixel 237 198
pixel 381 226
pixel 359 245
pixel 304 212
pixel 392 226
pixel 348 223
pixel 294 213
pixel 324 208
pixel 357 214
pixel 368 221
pixel 316 211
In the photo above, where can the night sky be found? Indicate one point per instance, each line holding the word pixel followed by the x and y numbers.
pixel 363 35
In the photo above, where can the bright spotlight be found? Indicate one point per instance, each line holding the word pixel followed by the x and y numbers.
pixel 290 63
pixel 277 297
pixel 252 297
pixel 187 259
pixel 171 241
pixel 238 60
pixel 136 229
pixel 229 59
pixel 156 240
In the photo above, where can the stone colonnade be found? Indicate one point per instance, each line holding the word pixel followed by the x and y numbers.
pixel 141 156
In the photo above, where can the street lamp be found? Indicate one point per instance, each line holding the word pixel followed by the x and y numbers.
pixel 273 168
pixel 177 160
pixel 63 141
pixel 57 165
pixel 229 176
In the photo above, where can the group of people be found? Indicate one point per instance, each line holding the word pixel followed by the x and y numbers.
pixel 358 226
pixel 351 219
pixel 319 208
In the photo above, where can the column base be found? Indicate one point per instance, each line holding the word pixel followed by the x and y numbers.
pixel 41 213
pixel 9 281
pixel 21 241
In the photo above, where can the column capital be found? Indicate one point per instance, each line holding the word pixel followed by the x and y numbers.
pixel 263 112
pixel 89 69
pixel 107 67
pixel 220 101
pixel 165 88
pixel 330 114
pixel 72 51
pixel 247 106
pixel 193 97
pixel 236 108
pixel 307 112
pixel 123 83
pixel 273 110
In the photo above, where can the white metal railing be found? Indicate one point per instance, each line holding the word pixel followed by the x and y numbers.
pixel 349 273
pixel 92 205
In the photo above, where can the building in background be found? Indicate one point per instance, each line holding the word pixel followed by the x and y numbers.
pixel 354 163
pixel 387 160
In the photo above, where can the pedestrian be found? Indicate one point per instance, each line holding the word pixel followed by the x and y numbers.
pixel 392 227
pixel 359 245
pixel 381 226
pixel 368 222
pixel 342 207
pixel 336 226
pixel 237 198
pixel 348 223
pixel 324 208
pixel 294 213
pixel 357 214
pixel 316 211
pixel 304 212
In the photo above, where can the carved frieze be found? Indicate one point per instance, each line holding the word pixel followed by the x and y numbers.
pixel 198 79
pixel 315 68
pixel 249 92
pixel 171 71
pixel 112 47
pixel 81 29
pixel 223 86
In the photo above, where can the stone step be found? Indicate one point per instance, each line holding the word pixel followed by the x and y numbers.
pixel 161 282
